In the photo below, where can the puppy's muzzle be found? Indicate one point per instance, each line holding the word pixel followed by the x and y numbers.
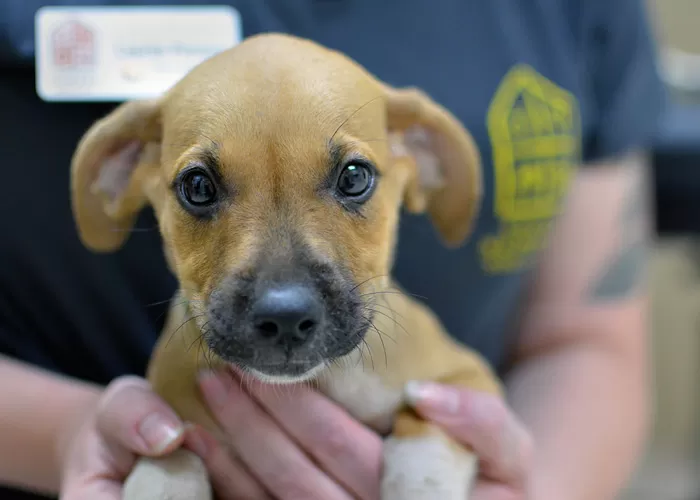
pixel 286 322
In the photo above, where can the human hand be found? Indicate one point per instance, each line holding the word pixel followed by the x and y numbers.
pixel 298 444
pixel 484 422
pixel 336 458
pixel 285 443
pixel 128 421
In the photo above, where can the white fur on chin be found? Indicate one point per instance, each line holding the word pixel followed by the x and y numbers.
pixel 286 379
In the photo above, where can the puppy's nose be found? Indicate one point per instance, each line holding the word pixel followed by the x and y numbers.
pixel 287 315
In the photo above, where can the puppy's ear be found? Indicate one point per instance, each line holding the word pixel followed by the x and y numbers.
pixel 447 178
pixel 114 166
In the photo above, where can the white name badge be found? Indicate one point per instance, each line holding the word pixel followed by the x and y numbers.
pixel 125 53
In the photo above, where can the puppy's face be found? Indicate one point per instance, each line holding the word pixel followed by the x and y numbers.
pixel 279 222
pixel 277 171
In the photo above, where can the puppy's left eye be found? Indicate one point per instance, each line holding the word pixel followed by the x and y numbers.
pixel 356 181
pixel 196 190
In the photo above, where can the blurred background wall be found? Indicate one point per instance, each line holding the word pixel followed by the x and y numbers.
pixel 671 468
pixel 677 22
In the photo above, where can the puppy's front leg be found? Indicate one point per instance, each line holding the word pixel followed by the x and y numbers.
pixel 180 475
pixel 172 372
pixel 421 462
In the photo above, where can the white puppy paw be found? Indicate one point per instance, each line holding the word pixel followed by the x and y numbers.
pixel 178 476
pixel 428 467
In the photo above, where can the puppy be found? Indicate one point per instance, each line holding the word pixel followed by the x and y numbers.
pixel 277 171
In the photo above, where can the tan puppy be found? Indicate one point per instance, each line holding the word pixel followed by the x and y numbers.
pixel 277 171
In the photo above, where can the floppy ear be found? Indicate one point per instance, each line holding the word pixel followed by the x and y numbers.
pixel 447 179
pixel 113 169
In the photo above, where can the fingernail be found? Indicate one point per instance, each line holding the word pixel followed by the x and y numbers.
pixel 213 388
pixel 432 396
pixel 159 431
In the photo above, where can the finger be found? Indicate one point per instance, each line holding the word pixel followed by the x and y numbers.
pixel 347 450
pixel 92 471
pixel 491 490
pixel 480 420
pixel 132 416
pixel 229 477
pixel 99 489
pixel 271 456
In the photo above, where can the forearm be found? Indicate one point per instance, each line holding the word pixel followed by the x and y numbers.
pixel 581 380
pixel 38 410
pixel 587 408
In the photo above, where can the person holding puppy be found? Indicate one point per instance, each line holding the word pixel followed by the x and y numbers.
pixel 550 288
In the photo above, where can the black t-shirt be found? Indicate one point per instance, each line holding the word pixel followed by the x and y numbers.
pixel 543 85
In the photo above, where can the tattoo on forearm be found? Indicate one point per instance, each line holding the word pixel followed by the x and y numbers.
pixel 623 273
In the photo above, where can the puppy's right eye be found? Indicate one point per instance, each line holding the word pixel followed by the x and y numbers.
pixel 196 190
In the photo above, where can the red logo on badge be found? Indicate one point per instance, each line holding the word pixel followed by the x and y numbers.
pixel 73 45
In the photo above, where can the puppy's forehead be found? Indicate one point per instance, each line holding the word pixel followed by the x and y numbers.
pixel 272 90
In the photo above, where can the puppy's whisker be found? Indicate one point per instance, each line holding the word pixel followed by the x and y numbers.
pixel 201 352
pixel 361 357
pixel 170 300
pixel 386 306
pixel 366 281
pixel 361 344
pixel 361 360
pixel 174 304
pixel 206 353
pixel 396 323
pixel 330 141
pixel 199 338
pixel 393 292
pixel 349 367
pixel 161 302
pixel 346 364
pixel 382 335
pixel 179 327
pixel 189 302
pixel 369 351
pixel 166 311
pixel 381 339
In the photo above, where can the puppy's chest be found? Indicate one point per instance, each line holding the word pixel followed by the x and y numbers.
pixel 364 395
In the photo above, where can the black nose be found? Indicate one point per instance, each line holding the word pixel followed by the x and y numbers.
pixel 287 315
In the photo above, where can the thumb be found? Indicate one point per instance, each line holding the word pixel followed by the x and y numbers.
pixel 131 416
pixel 480 420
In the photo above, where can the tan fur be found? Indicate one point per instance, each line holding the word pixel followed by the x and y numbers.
pixel 271 141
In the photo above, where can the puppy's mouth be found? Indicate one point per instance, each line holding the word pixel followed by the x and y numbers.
pixel 286 327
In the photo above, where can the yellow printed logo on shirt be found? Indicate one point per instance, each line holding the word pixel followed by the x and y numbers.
pixel 534 129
